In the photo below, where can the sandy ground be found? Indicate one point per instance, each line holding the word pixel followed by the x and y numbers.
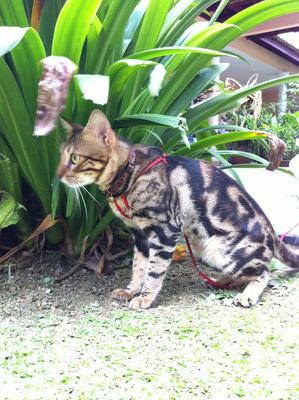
pixel 70 340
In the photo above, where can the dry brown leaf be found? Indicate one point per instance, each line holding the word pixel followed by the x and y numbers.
pixel 180 253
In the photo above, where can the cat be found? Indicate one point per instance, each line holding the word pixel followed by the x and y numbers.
pixel 225 226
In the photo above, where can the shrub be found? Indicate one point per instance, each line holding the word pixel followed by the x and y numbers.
pixel 128 44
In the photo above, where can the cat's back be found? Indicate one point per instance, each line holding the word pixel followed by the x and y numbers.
pixel 206 190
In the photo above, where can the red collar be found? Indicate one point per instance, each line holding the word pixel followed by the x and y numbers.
pixel 122 178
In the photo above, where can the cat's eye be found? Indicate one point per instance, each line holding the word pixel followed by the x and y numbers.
pixel 75 158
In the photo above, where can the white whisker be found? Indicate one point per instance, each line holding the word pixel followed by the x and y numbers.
pixel 83 187
pixel 77 197
pixel 83 201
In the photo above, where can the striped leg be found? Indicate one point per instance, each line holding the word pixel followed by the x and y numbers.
pixel 140 261
pixel 161 247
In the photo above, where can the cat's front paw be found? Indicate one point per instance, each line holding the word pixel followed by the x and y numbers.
pixel 140 302
pixel 122 295
pixel 245 300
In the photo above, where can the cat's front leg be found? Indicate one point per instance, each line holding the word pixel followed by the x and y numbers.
pixel 162 242
pixel 140 262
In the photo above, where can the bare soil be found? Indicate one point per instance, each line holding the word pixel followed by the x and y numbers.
pixel 70 340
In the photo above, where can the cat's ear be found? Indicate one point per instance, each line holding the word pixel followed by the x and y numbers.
pixel 70 127
pixel 99 126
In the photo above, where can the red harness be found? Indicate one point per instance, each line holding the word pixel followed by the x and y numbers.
pixel 126 211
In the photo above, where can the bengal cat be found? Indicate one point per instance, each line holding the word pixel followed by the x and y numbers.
pixel 226 227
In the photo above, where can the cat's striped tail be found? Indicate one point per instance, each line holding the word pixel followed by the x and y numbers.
pixel 286 255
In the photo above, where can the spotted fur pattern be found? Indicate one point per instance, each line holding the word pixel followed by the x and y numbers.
pixel 227 229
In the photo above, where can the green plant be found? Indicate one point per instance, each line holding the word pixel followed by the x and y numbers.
pixel 286 127
pixel 128 44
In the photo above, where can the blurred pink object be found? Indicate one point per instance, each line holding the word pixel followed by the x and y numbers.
pixel 52 92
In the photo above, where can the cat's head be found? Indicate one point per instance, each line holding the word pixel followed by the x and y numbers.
pixel 87 152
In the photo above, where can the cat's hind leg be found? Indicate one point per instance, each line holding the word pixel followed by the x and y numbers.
pixel 258 277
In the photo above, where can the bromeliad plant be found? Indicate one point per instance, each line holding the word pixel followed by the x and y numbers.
pixel 141 62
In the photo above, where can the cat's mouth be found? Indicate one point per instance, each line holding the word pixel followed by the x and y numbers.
pixel 71 181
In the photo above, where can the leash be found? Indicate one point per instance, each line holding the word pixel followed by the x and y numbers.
pixel 201 274
pixel 281 237
pixel 126 210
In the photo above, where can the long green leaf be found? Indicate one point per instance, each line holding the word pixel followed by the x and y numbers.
pixel 225 163
pixel 10 182
pixel 216 140
pixel 180 80
pixel 164 51
pixel 26 58
pixel 69 37
pixel 12 13
pixel 262 12
pixel 153 22
pixel 121 71
pixel 218 11
pixel 251 156
pixel 133 24
pixel 92 37
pixel 110 36
pixel 18 133
pixel 9 210
pixel 50 12
pixel 183 21
pixel 199 84
pixel 148 119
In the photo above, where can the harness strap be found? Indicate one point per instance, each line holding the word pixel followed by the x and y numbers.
pixel 155 162
pixel 124 197
pixel 126 204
